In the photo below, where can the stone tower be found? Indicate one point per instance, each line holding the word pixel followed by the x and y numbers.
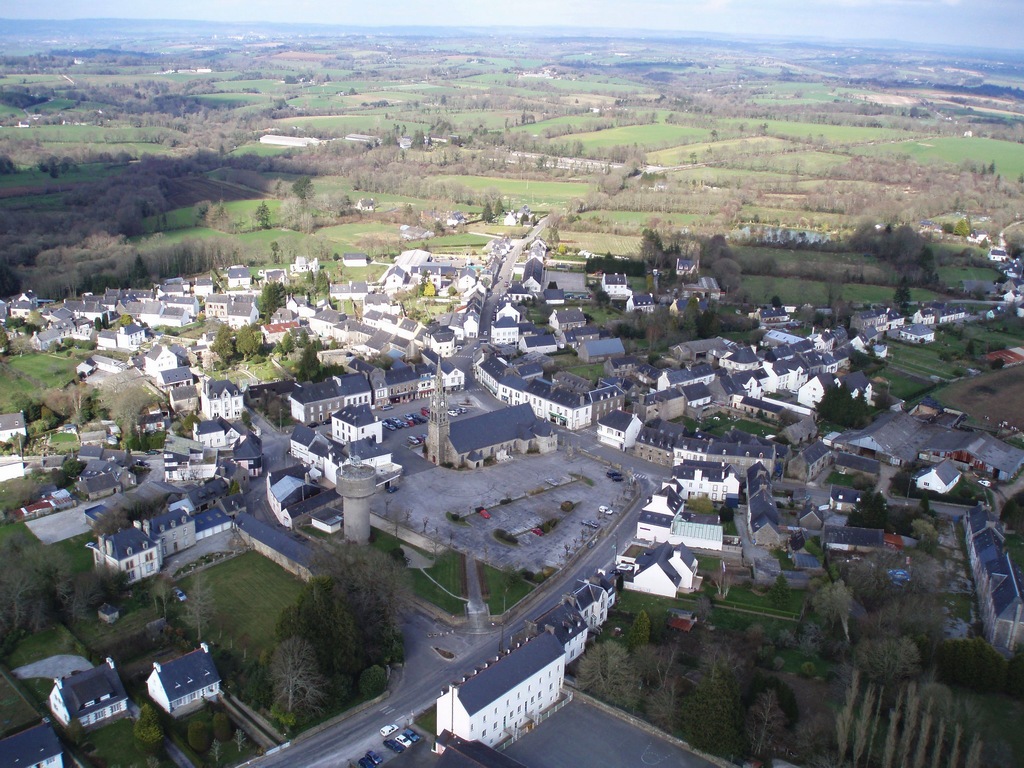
pixel 357 482
pixel 440 424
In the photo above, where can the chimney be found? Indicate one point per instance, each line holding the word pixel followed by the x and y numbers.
pixel 205 647
pixel 110 662
pixel 156 666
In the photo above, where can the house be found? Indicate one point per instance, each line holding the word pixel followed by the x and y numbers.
pixel 239 277
pixel 762 510
pixel 356 422
pixel 916 334
pixel 562 320
pixel 940 478
pixel 497 434
pixel 215 433
pixel 35 747
pixel 92 697
pixel 241 312
pixel 174 531
pixel 313 403
pixel 221 399
pixel 641 302
pixel 666 570
pixel 999 582
pixel 566 623
pixel 161 358
pixel 292 498
pixel 12 425
pixel 715 480
pixel 129 551
pixel 616 286
pixel 812 460
pixel 509 694
pixel 618 429
pixel 838 538
pixel 599 350
pixel 182 685
pixel 842 499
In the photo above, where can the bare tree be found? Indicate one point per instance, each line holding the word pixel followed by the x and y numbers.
pixel 125 403
pixel 662 707
pixel 298 684
pixel 239 739
pixel 765 722
pixel 160 589
pixel 199 608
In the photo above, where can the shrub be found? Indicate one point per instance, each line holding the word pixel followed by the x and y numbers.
pixel 567 506
pixel 504 536
pixel 807 669
pixel 147 731
pixel 199 736
pixel 222 730
pixel 372 681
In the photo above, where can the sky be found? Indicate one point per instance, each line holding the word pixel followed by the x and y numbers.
pixel 984 23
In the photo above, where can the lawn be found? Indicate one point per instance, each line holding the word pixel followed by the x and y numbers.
pixel 997 395
pixel 500 601
pixel 446 572
pixel 115 745
pixel 1015 546
pixel 999 718
pixel 79 556
pixel 49 370
pixel 41 645
pixel 15 529
pixel 15 711
pixel 838 478
pixel 644 136
pixel 746 599
pixel 518 191
pixel 249 593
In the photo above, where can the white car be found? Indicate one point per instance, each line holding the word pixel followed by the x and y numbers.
pixel 387 730
pixel 605 510
pixel 404 740
pixel 986 483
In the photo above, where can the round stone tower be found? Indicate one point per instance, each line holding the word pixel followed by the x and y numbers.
pixel 357 483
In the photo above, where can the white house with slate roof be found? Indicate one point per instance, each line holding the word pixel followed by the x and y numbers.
pixel 616 286
pixel 665 570
pixel 182 685
pixel 130 551
pixel 511 692
pixel 939 478
pixel 12 425
pixel 618 429
pixel 36 747
pixel 356 422
pixel 221 398
pixel 93 696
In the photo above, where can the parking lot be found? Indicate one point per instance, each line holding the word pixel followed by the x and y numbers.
pixel 537 485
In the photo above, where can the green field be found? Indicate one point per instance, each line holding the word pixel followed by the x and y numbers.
pixel 519 191
pixel 15 712
pixel 41 645
pixel 643 136
pixel 839 134
pixel 600 243
pixel 249 593
pixel 796 291
pixel 1008 156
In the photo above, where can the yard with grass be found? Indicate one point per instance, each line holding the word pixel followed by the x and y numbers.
pixel 41 645
pixel 79 556
pixel 15 711
pixel 498 599
pixel 440 584
pixel 249 593
pixel 115 745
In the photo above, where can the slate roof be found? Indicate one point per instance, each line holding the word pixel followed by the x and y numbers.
pixel 815 452
pixel 32 746
pixel 515 423
pixel 660 556
pixel 858 463
pixel 843 495
pixel 617 420
pixel 9 421
pixel 597 347
pixel 945 471
pixel 509 671
pixel 278 541
pixel 210 518
pixel 125 539
pixel 459 753
pixel 187 674
pixel 85 692
pixel 854 537
pixel 565 621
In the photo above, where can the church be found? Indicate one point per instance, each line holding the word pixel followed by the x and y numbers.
pixel 496 435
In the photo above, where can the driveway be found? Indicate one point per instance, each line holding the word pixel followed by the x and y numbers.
pixel 61 665
pixel 60 525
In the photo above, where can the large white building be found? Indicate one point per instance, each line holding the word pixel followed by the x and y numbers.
pixel 221 398
pixel 508 694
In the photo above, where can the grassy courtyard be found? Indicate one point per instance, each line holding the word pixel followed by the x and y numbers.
pixel 249 593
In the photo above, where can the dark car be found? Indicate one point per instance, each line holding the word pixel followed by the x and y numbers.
pixel 617 478
pixel 411 735
pixel 365 762
pixel 374 758
pixel 612 473
pixel 393 745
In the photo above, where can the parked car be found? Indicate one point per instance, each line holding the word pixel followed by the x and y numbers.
pixel 617 478
pixel 181 596
pixel 385 407
pixel 613 473
pixel 392 489
pixel 483 513
pixel 404 740
pixel 425 411
pixel 374 758
pixel 411 735
pixel 537 531
pixel 986 483
pixel 605 510
pixel 365 762
pixel 389 426
pixel 393 745
pixel 388 729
